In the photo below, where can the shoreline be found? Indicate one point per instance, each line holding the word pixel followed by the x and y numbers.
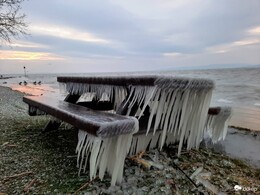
pixel 51 159
pixel 6 77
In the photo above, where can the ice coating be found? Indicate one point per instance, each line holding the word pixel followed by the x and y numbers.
pixel 142 141
pixel 215 128
pixel 117 93
pixel 216 125
pixel 98 123
pixel 103 155
pixel 178 110
pixel 178 106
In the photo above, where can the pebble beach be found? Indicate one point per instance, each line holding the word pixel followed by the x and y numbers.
pixel 35 163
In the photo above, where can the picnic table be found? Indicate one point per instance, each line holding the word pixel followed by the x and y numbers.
pixel 120 115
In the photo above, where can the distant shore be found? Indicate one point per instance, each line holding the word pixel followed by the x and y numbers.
pixel 2 77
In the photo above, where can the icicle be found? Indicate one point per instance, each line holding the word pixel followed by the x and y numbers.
pixel 154 107
pixel 62 88
pixel 81 140
pixel 112 92
pixel 155 139
pixel 160 109
pixel 216 125
pixel 133 145
pixel 140 142
pixel 203 116
pixel 106 154
pixel 139 95
pixel 147 98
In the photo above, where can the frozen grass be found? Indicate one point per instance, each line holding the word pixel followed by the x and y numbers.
pixel 50 159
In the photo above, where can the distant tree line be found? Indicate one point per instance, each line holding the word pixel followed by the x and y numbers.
pixel 12 22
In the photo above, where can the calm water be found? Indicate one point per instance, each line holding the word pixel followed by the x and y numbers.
pixel 238 88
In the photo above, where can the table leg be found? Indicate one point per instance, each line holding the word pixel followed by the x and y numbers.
pixel 51 125
pixel 72 98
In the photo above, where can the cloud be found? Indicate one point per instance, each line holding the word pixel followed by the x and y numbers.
pixel 172 54
pixel 21 55
pixel 66 33
pixel 150 33
pixel 153 27
pixel 250 39
pixel 254 31
pixel 26 44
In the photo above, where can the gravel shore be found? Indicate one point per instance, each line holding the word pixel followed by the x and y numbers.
pixel 36 163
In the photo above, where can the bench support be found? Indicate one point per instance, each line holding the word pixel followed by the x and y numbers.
pixel 51 126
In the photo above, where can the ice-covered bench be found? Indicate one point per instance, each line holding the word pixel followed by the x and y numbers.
pixel 148 111
pixel 97 123
pixel 98 126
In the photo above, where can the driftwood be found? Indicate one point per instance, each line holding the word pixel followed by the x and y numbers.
pixel 29 185
pixel 84 186
pixel 146 163
pixel 138 159
pixel 18 175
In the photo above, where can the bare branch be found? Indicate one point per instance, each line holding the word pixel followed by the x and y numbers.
pixel 12 22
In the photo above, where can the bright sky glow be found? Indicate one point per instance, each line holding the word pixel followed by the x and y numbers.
pixel 255 31
pixel 21 55
pixel 24 44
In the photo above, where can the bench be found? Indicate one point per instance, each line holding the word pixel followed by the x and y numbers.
pixel 101 134
pixel 97 123
pixel 165 109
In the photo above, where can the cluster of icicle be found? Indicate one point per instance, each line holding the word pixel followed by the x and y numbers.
pixel 103 155
pixel 178 108
pixel 111 92
pixel 216 125
pixel 215 128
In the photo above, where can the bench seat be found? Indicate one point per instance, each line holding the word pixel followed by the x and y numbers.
pixel 98 123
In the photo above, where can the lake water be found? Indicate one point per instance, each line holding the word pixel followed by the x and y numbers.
pixel 238 88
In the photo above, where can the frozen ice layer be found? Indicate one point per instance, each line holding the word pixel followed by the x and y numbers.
pixel 103 155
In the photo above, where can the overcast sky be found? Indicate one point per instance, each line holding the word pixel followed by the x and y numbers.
pixel 134 35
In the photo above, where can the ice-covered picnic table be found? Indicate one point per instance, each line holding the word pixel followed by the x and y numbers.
pixel 159 110
pixel 176 105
